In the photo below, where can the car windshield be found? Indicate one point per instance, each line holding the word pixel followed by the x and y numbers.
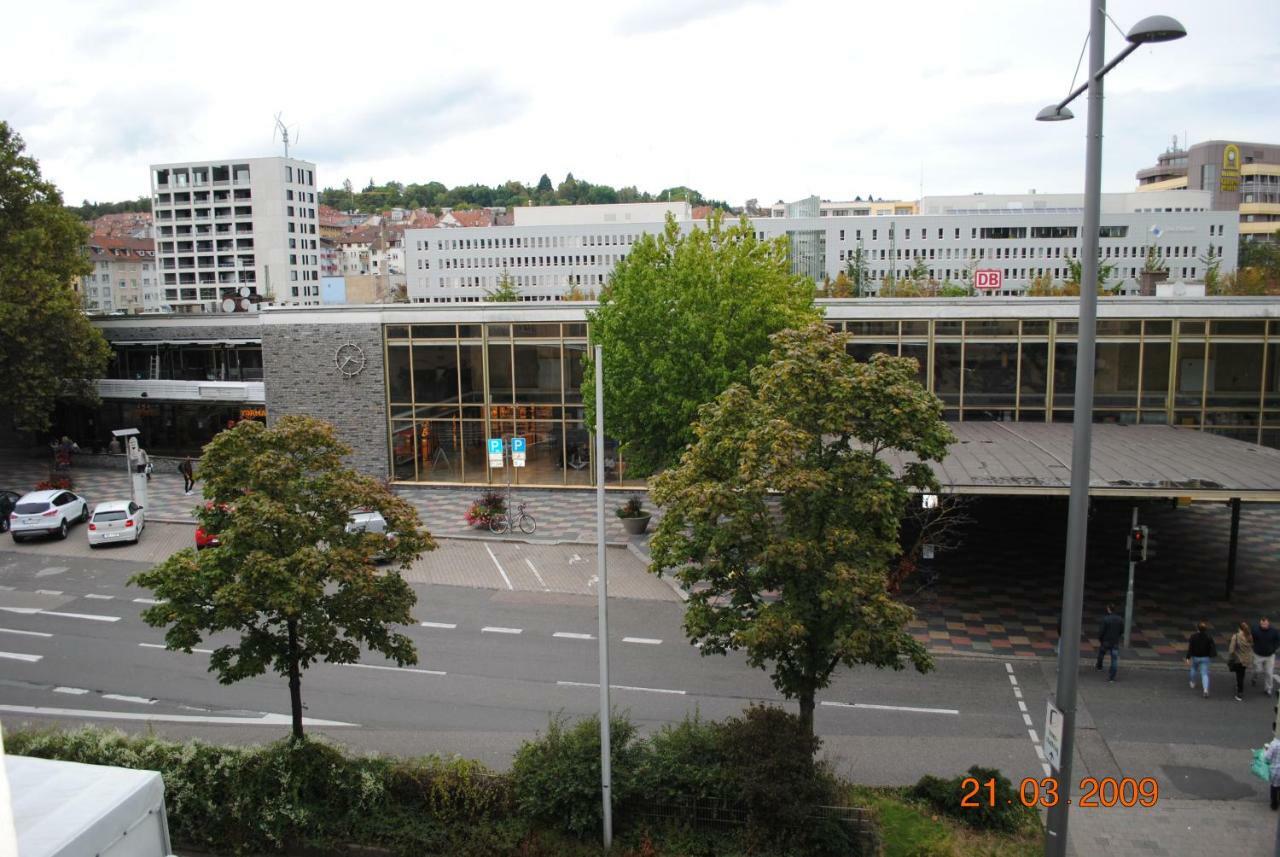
pixel 31 508
pixel 114 515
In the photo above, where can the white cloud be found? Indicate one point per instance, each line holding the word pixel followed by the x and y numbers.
pixel 738 98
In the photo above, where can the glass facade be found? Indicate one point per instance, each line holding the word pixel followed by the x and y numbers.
pixel 450 387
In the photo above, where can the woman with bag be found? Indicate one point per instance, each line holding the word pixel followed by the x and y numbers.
pixel 1240 656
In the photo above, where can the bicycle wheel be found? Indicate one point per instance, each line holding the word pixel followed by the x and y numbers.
pixel 527 524
pixel 498 526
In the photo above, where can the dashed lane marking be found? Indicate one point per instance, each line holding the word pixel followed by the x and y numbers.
pixel 19 656
pixel 120 697
pixel 48 592
pixel 163 646
pixel 1026 719
pixel 643 641
pixel 501 570
pixel 492 629
pixel 74 691
pixel 33 611
pixel 622 687
pixel 908 708
pixel 395 669
pixel 448 626
pixel 95 596
pixel 149 601
pixel 24 633
pixel 569 635
pixel 83 714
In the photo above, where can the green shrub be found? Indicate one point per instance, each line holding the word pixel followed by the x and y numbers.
pixel 944 795
pixel 684 762
pixel 556 777
pixel 770 767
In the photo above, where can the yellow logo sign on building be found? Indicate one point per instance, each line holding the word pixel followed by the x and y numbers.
pixel 1230 180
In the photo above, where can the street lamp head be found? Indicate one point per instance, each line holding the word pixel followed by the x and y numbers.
pixel 1054 113
pixel 1157 28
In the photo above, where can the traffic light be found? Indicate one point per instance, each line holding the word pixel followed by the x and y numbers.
pixel 1137 544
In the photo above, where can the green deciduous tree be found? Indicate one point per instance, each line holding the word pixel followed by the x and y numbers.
pixel 506 292
pixel 786 491
pixel 682 317
pixel 1074 275
pixel 48 349
pixel 288 577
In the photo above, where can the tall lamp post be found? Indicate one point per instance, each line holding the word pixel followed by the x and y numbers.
pixel 1157 28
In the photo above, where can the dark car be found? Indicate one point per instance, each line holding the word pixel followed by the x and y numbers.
pixel 8 499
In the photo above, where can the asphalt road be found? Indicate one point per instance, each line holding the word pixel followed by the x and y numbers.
pixel 496 663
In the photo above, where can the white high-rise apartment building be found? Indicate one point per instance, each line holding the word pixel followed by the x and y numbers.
pixel 236 227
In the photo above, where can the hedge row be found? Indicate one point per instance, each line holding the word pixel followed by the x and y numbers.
pixel 288 796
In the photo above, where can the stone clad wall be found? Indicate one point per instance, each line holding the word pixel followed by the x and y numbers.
pixel 302 378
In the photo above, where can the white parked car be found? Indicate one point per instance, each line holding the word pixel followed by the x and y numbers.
pixel 116 521
pixel 47 513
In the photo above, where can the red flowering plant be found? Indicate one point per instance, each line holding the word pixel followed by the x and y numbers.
pixel 486 507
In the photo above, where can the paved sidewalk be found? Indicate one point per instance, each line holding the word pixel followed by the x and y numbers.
pixel 1174 827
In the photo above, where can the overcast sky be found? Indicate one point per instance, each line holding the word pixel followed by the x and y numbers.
pixel 737 98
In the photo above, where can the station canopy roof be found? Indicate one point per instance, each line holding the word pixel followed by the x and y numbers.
pixel 1023 458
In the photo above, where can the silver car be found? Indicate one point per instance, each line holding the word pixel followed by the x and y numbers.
pixel 116 521
pixel 47 513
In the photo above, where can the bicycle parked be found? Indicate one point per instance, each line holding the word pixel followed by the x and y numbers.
pixel 507 521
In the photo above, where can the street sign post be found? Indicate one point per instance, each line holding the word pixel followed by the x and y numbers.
pixel 988 279
pixel 495 452
pixel 1053 736
pixel 517 452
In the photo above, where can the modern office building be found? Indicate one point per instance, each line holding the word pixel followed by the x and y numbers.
pixel 1022 237
pixel 853 208
pixel 419 387
pixel 1238 176
pixel 237 227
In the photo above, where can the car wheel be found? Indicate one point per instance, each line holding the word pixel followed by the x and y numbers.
pixel 17 539
pixel 84 513
pixel 62 529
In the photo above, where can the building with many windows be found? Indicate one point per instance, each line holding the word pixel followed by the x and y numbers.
pixel 123 278
pixel 1023 237
pixel 416 389
pixel 1240 177
pixel 236 228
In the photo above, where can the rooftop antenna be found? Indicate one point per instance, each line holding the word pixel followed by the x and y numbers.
pixel 282 131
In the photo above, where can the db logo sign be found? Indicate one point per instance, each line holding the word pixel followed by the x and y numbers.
pixel 988 278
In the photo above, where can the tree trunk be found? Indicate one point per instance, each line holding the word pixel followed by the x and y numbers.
pixel 295 680
pixel 806 711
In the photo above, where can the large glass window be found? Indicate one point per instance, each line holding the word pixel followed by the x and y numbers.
pixel 990 374
pixel 435 373
pixel 1235 375
pixel 1115 377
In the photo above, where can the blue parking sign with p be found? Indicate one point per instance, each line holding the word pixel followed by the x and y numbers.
pixel 517 444
pixel 495 446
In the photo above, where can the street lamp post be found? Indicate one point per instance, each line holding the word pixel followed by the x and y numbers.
pixel 1158 28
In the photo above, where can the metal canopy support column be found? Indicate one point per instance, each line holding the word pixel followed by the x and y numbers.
pixel 1231 550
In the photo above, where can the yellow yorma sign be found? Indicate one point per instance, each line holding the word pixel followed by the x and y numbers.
pixel 1230 180
pixel 253 413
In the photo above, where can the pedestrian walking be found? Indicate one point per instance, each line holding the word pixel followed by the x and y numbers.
pixel 1201 650
pixel 1272 757
pixel 1110 633
pixel 188 475
pixel 1240 656
pixel 1266 640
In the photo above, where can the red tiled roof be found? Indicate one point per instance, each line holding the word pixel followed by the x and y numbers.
pixel 474 217
pixel 701 212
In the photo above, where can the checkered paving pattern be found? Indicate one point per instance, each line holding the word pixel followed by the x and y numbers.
pixel 999 593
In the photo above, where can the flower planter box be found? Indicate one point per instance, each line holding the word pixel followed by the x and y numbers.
pixel 636 526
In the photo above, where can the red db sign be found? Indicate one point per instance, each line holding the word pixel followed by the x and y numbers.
pixel 988 278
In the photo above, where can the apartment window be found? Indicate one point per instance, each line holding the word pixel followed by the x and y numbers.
pixel 288 174
pixel 288 194
pixel 939 233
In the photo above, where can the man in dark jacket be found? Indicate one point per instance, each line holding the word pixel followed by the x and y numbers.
pixel 1266 640
pixel 1110 632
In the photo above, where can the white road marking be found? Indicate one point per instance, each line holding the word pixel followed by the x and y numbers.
pixel 149 601
pixel 908 708
pixel 6 588
pixel 74 691
pixel 1040 752
pixel 541 582
pixel 262 720
pixel 18 656
pixel 1008 668
pixel 92 617
pixel 1034 737
pixel 1022 706
pixel 491 629
pixel 48 592
pixel 1048 772
pixel 574 558
pixel 1017 691
pixel 621 687
pixel 448 626
pixel 395 669
pixel 98 597
pixel 24 633
pixel 119 697
pixel 51 570
pixel 1013 679
pixel 644 641
pixel 569 635
pixel 1026 718
pixel 179 651
pixel 499 565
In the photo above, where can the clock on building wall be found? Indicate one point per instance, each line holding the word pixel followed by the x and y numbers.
pixel 349 359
